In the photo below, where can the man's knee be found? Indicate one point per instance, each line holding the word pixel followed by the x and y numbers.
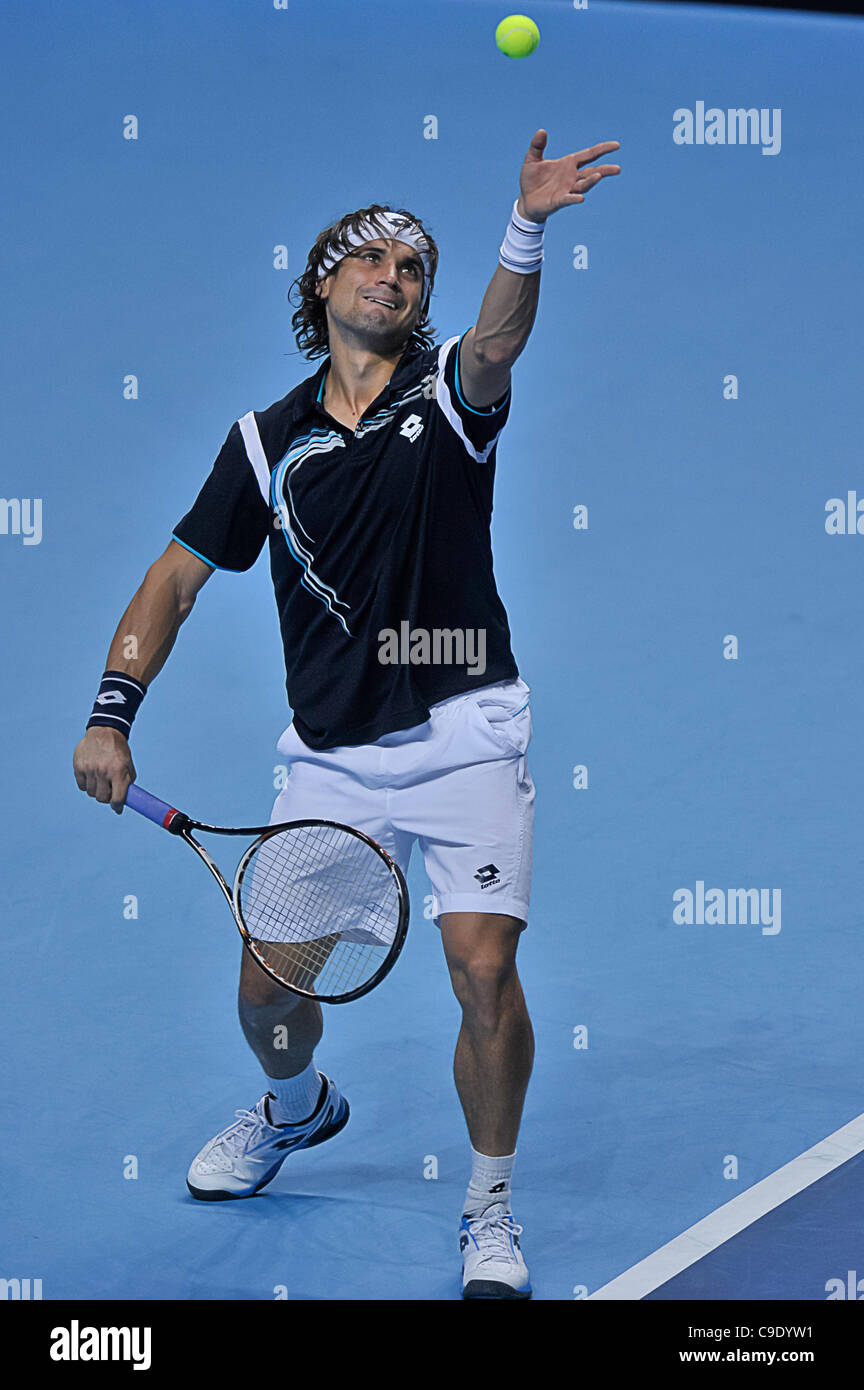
pixel 257 991
pixel 481 957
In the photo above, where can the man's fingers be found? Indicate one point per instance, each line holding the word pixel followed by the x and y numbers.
pixel 103 767
pixel 103 787
pixel 107 786
pixel 121 787
pixel 595 175
pixel 595 151
pixel 587 181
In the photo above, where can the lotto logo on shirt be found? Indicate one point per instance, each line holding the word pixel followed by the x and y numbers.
pixel 438 646
pixel 412 427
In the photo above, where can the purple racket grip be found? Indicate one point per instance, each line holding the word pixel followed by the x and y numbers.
pixel 150 806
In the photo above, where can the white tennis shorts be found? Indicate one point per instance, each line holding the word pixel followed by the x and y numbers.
pixel 458 783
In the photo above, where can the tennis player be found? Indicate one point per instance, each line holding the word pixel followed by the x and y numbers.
pixel 372 484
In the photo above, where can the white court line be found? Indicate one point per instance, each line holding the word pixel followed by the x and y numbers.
pixel 734 1216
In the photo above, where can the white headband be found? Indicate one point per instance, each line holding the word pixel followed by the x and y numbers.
pixel 386 225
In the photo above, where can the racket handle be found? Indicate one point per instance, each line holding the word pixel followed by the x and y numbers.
pixel 154 809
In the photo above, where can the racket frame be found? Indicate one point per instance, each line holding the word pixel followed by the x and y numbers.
pixel 179 824
pixel 396 874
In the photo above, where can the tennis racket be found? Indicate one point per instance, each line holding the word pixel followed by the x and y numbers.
pixel 322 908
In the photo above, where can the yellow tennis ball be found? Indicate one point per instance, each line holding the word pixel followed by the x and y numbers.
pixel 517 36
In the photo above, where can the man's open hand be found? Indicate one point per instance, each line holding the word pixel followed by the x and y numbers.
pixel 550 184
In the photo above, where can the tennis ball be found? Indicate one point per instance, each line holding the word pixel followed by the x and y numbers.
pixel 517 36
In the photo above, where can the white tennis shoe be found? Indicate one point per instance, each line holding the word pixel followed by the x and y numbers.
pixel 243 1158
pixel 492 1262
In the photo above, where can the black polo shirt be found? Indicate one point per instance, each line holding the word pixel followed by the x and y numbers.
pixel 380 546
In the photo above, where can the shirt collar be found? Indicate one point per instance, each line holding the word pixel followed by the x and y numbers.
pixel 307 396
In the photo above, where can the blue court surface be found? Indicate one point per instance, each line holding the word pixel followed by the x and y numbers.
pixel 779 1240
pixel 784 1252
pixel 679 545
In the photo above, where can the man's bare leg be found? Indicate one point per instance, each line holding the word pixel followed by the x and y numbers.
pixel 282 1028
pixel 495 1049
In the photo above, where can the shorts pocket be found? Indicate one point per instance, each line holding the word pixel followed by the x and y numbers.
pixel 506 717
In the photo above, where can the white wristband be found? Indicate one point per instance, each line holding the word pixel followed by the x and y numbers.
pixel 522 247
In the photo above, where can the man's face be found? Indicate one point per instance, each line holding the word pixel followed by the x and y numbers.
pixel 384 270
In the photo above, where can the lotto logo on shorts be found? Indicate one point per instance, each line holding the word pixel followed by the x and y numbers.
pixel 489 874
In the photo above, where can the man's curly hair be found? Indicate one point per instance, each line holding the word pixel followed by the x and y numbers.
pixel 310 319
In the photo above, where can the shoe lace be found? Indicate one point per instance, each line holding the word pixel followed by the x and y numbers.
pixel 235 1140
pixel 493 1232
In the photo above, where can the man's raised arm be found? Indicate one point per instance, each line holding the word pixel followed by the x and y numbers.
pixel 103 761
pixel 509 306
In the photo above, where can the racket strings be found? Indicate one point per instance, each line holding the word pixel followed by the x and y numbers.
pixel 322 906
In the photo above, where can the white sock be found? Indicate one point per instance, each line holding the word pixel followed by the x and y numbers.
pixel 295 1097
pixel 490 1182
